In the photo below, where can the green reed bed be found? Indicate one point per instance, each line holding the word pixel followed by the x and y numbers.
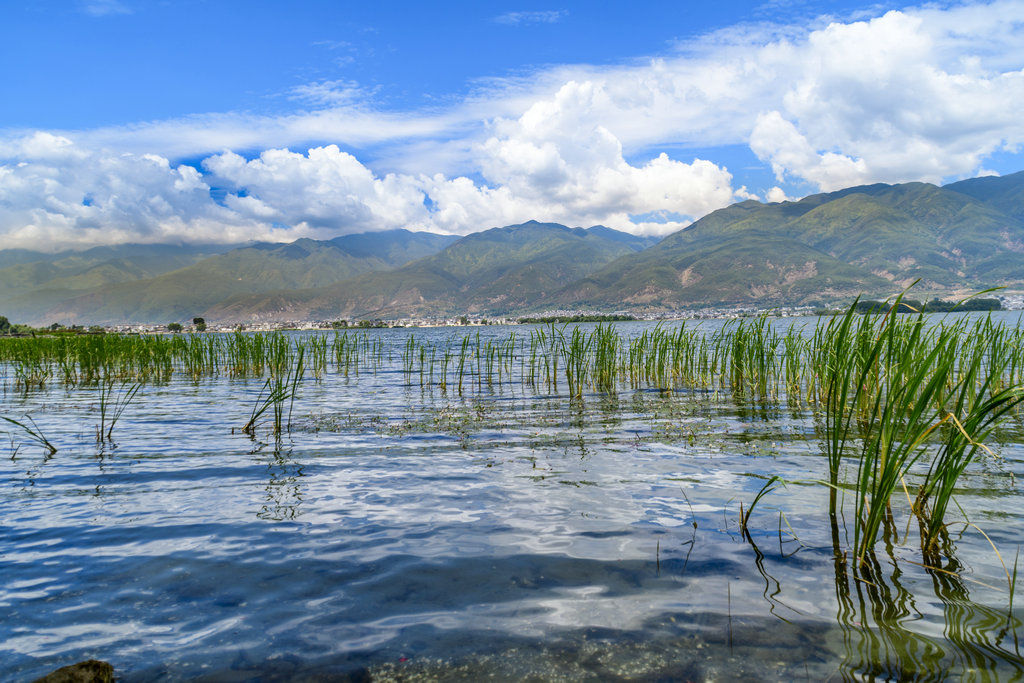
pixel 905 401
pixel 754 358
pixel 900 392
pixel 88 359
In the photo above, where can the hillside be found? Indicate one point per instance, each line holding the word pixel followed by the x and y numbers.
pixel 873 240
pixel 495 271
pixel 31 282
pixel 186 292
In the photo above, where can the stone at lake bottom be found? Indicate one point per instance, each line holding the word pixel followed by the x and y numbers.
pixel 91 671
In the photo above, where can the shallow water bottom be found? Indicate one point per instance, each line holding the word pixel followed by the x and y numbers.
pixel 678 653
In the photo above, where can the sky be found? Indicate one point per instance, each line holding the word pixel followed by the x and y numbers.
pixel 199 121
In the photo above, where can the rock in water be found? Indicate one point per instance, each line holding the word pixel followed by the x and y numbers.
pixel 91 671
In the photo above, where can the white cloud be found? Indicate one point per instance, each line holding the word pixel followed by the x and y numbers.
pixel 459 203
pixel 540 17
pixel 886 100
pixel 777 140
pixel 325 192
pixel 775 195
pixel 329 93
pixel 54 194
pixel 919 94
pixel 558 158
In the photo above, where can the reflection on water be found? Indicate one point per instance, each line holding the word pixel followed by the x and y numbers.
pixel 284 491
pixel 402 532
pixel 887 635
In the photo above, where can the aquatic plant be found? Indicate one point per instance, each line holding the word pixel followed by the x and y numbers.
pixel 905 400
pixel 773 483
pixel 575 360
pixel 286 372
pixel 112 406
pixel 33 433
pixel 274 397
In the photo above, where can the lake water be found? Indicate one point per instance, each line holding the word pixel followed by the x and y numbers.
pixel 398 532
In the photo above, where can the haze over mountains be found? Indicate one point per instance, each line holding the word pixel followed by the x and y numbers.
pixel 823 249
pixel 158 283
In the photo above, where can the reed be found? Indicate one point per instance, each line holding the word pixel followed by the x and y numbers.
pixel 112 405
pixel 269 397
pixel 318 355
pixel 905 390
pixel 464 356
pixel 966 426
pixel 904 400
pixel 575 360
pixel 899 419
pixel 33 433
pixel 286 372
pixel 773 483
pixel 606 346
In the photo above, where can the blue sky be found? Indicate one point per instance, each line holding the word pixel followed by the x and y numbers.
pixel 90 62
pixel 227 120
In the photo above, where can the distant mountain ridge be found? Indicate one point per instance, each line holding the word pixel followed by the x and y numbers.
pixel 869 240
pixel 872 239
pixel 150 283
pixel 497 270
pixel 33 282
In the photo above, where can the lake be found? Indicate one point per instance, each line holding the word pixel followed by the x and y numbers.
pixel 402 529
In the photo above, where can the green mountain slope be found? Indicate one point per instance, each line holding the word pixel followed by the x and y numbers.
pixel 34 282
pixel 1005 193
pixel 761 269
pixel 27 270
pixel 187 292
pixel 495 271
pixel 393 247
pixel 873 239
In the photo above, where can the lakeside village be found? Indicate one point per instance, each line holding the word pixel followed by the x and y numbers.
pixel 1005 301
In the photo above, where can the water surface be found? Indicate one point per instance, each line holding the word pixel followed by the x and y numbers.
pixel 511 533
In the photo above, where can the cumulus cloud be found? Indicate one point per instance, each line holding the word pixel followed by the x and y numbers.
pixel 883 100
pixel 777 140
pixel 920 94
pixel 558 160
pixel 325 191
pixel 775 195
pixel 55 194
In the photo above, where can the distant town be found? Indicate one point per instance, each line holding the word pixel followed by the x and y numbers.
pixel 1007 302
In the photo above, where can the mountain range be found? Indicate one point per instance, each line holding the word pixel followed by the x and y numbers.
pixel 825 248
pixel 873 239
pixel 157 283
